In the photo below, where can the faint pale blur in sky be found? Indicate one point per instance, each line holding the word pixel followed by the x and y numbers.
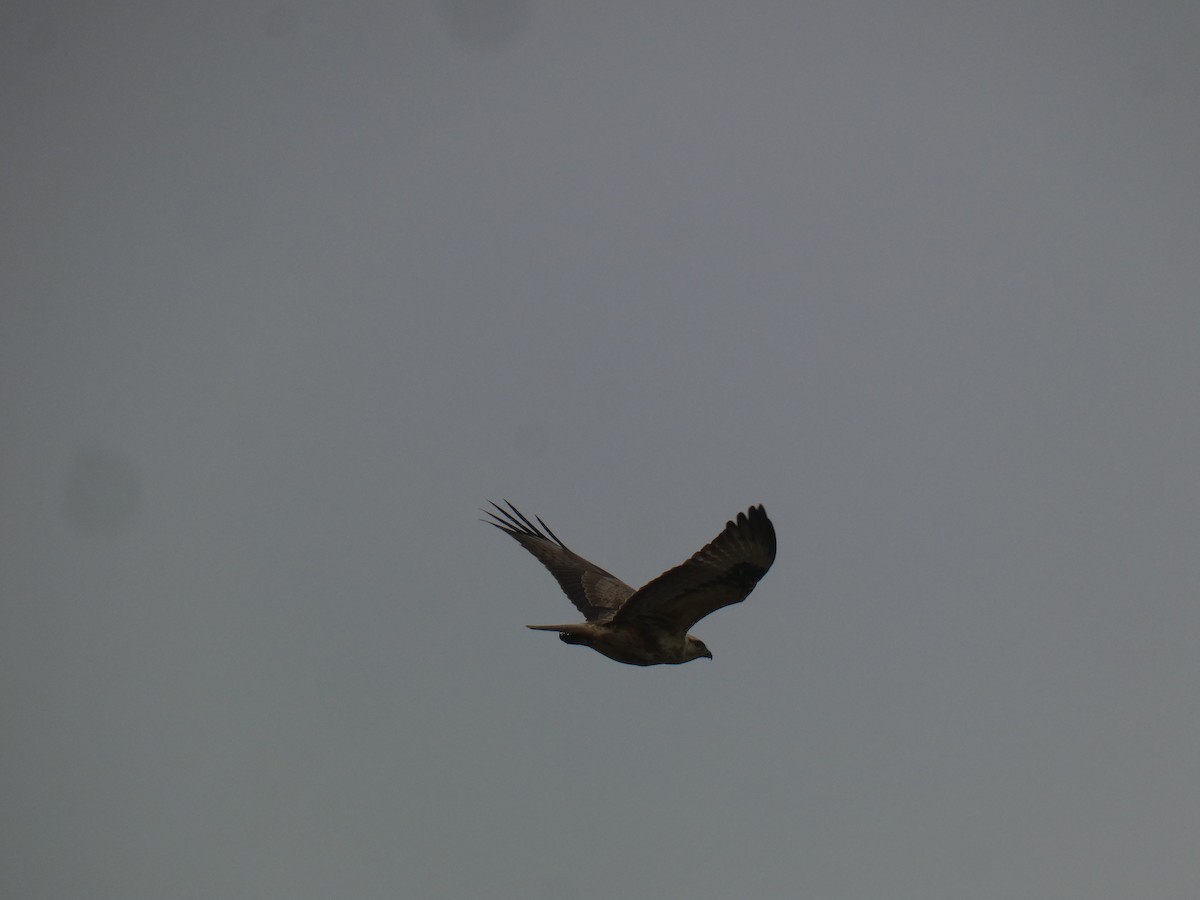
pixel 290 290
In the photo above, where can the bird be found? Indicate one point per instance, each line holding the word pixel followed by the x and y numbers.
pixel 648 626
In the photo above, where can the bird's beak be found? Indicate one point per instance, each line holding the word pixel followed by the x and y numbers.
pixel 709 654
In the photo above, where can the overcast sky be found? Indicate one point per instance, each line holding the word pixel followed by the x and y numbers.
pixel 291 290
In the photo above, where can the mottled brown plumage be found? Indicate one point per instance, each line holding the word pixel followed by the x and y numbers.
pixel 649 626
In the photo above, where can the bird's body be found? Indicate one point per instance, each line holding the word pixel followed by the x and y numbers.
pixel 637 646
pixel 649 627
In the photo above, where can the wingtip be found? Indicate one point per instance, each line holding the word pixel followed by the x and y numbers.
pixel 756 511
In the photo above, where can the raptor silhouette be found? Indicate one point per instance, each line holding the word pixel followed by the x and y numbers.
pixel 649 626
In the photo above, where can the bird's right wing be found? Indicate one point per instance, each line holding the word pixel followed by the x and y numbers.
pixel 723 572
pixel 596 593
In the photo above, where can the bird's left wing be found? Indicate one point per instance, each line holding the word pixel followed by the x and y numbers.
pixel 723 573
pixel 596 593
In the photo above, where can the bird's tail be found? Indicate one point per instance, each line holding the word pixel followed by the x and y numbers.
pixel 576 633
pixel 578 628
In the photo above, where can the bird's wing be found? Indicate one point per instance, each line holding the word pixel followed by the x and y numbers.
pixel 596 593
pixel 724 572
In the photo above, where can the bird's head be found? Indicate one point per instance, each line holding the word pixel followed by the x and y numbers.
pixel 696 649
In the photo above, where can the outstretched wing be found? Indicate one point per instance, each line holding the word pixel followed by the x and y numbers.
pixel 723 573
pixel 596 593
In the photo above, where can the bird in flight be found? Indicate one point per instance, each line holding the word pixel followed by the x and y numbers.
pixel 649 626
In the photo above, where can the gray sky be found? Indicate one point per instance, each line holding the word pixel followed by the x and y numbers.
pixel 291 290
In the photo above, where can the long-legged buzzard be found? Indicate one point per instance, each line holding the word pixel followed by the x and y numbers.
pixel 649 626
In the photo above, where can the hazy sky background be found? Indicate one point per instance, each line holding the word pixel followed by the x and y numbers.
pixel 290 290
